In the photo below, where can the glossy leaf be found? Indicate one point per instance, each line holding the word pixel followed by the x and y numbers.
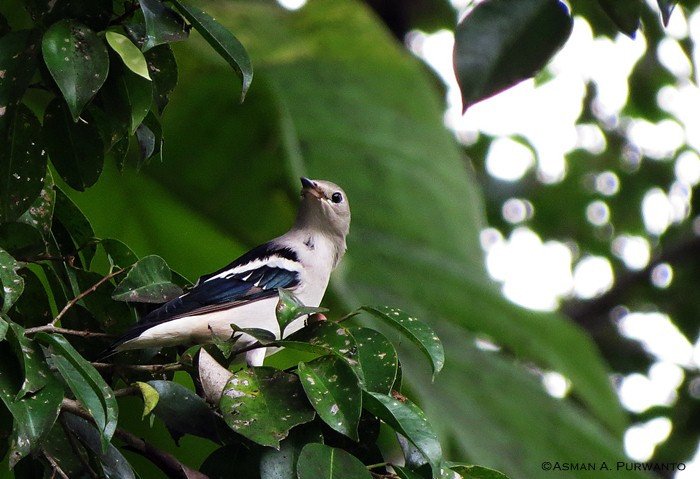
pixel 378 360
pixel 625 14
pixel 290 308
pixel 35 372
pixel 334 392
pixel 148 281
pixel 162 24
pixel 75 148
pixel 4 326
pixel 146 139
pixel 282 463
pixel 87 385
pixel 18 62
pixel 318 461
pixel 129 53
pixel 12 283
pixel 263 404
pixel 33 307
pixel 220 40
pixel 114 464
pixel 406 473
pixel 183 412
pixel 502 42
pixel 119 254
pixel 40 213
pixel 468 471
pixel 78 61
pixel 78 226
pixel 21 240
pixel 22 162
pixel 163 70
pixel 127 96
pixel 418 332
pixel 33 415
pixel 407 419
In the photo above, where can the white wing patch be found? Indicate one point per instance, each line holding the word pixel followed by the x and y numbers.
pixel 270 262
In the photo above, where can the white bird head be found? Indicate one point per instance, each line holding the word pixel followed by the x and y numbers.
pixel 324 207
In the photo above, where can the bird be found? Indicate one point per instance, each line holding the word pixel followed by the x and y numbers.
pixel 245 292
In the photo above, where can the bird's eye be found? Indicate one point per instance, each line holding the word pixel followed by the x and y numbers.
pixel 337 197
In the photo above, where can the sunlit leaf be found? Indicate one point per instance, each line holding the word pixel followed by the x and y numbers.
pixel 87 385
pixel 263 404
pixel 129 53
pixel 78 61
pixel 148 281
pixel 318 461
pixel 334 391
pixel 222 41
pixel 502 42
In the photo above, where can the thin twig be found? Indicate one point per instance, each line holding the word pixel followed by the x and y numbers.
pixel 146 368
pixel 128 391
pixel 54 465
pixel 48 328
pixel 167 463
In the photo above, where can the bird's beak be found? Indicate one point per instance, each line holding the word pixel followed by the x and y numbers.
pixel 309 186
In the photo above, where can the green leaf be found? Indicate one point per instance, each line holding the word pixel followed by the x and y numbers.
pixel 22 162
pixel 34 415
pixel 334 391
pixel 666 7
pixel 468 471
pixel 418 332
pixel 290 308
pixel 78 62
pixel 113 317
pixel 162 24
pixel 18 62
pixel 40 213
pixel 326 337
pixel 263 404
pixel 148 281
pixel 36 374
pixel 75 148
pixel 78 226
pixel 3 327
pixel 118 254
pixel 12 283
pixel 282 463
pixel 625 14
pixel 163 69
pixel 127 96
pixel 114 464
pixel 318 461
pixel 502 42
pixel 86 383
pixel 407 419
pixel 183 412
pixel 222 41
pixel 129 53
pixel 406 473
pixel 378 360
pixel 150 397
pixel 33 307
pixel 146 139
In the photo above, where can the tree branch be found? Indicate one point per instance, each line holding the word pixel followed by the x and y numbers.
pixel 48 328
pixel 165 462
pixel 146 368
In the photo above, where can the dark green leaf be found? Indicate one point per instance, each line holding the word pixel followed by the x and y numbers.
pixel 233 460
pixel 40 213
pixel 625 14
pixel 4 326
pixel 326 337
pixel 407 419
pixel 22 162
pixel 666 7
pixel 162 24
pixel 113 317
pixel 147 143
pixel 119 254
pixel 34 415
pixel 129 53
pixel 78 61
pixel 418 332
pixel 12 283
pixel 378 360
pixel 4 30
pixel 184 412
pixel 502 42
pixel 163 69
pixel 282 463
pixel 77 225
pixel 21 240
pixel 75 148
pixel 334 391
pixel 18 62
pixel 36 374
pixel 148 281
pixel 406 473
pixel 114 465
pixel 290 308
pixel 87 385
pixel 263 404
pixel 318 461
pixel 468 471
pixel 33 307
pixel 222 41
pixel 127 96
